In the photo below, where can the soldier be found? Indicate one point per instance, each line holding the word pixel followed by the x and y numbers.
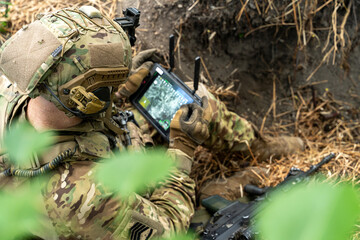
pixel 61 73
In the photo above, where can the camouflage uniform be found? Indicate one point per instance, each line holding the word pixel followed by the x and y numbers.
pixel 78 206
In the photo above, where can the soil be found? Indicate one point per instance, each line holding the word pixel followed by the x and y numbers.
pixel 251 63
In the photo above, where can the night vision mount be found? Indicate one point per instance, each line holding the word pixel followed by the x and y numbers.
pixel 129 22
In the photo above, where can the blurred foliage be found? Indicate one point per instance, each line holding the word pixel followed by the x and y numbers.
pixel 3 19
pixel 189 236
pixel 125 173
pixel 7 9
pixel 23 136
pixel 19 206
pixel 19 211
pixel 307 211
pixel 318 211
pixel 3 27
pixel 129 172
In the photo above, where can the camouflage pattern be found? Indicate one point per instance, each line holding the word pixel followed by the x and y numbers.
pixel 66 70
pixel 81 207
pixel 71 35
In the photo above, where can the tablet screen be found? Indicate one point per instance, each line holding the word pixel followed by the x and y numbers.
pixel 162 99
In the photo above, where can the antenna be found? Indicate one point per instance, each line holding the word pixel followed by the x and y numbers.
pixel 171 51
pixel 196 74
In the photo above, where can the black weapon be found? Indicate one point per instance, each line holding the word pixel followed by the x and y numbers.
pixel 129 23
pixel 122 118
pixel 236 220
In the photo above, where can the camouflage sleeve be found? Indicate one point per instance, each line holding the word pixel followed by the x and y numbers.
pixel 228 131
pixel 80 207
pixel 171 204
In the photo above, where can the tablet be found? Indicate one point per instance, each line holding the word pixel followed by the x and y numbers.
pixel 159 97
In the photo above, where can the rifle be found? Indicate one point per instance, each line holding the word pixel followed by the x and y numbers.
pixel 129 23
pixel 236 220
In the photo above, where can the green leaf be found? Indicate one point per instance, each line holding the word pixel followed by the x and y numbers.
pixel 129 172
pixel 188 236
pixel 316 211
pixel 22 141
pixel 19 212
pixel 3 27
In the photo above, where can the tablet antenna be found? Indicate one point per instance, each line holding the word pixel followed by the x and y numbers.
pixel 196 74
pixel 171 51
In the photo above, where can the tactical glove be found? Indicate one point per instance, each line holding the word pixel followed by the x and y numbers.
pixel 189 128
pixel 141 65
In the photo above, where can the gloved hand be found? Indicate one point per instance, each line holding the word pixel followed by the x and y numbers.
pixel 141 65
pixel 189 127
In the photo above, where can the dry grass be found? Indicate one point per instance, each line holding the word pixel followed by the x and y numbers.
pixel 324 123
pixel 301 14
pixel 24 12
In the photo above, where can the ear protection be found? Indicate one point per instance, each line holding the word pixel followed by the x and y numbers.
pixel 90 93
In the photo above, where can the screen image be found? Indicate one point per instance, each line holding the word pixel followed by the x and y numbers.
pixel 162 99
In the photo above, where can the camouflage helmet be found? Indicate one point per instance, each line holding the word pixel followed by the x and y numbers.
pixel 75 58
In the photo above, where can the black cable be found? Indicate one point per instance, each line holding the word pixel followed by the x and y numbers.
pixel 44 169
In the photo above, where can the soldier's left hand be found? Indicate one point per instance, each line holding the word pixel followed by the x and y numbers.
pixel 141 65
pixel 145 59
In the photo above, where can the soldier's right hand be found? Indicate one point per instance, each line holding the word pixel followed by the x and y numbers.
pixel 141 65
pixel 189 127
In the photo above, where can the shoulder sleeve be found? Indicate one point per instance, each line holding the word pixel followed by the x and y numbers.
pixel 167 211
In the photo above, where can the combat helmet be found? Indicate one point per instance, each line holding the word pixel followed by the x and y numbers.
pixel 75 58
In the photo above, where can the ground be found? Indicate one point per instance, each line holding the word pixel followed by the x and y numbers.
pixel 288 75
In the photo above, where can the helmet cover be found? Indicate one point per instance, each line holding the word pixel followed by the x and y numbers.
pixel 76 53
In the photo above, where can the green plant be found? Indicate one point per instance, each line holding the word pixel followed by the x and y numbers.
pixel 5 15
pixel 313 210
pixel 316 211
pixel 20 206
pixel 125 173
pixel 7 9
pixel 19 211
pixel 23 136
pixel 129 172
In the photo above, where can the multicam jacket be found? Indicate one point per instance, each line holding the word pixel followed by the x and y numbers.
pixel 79 207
